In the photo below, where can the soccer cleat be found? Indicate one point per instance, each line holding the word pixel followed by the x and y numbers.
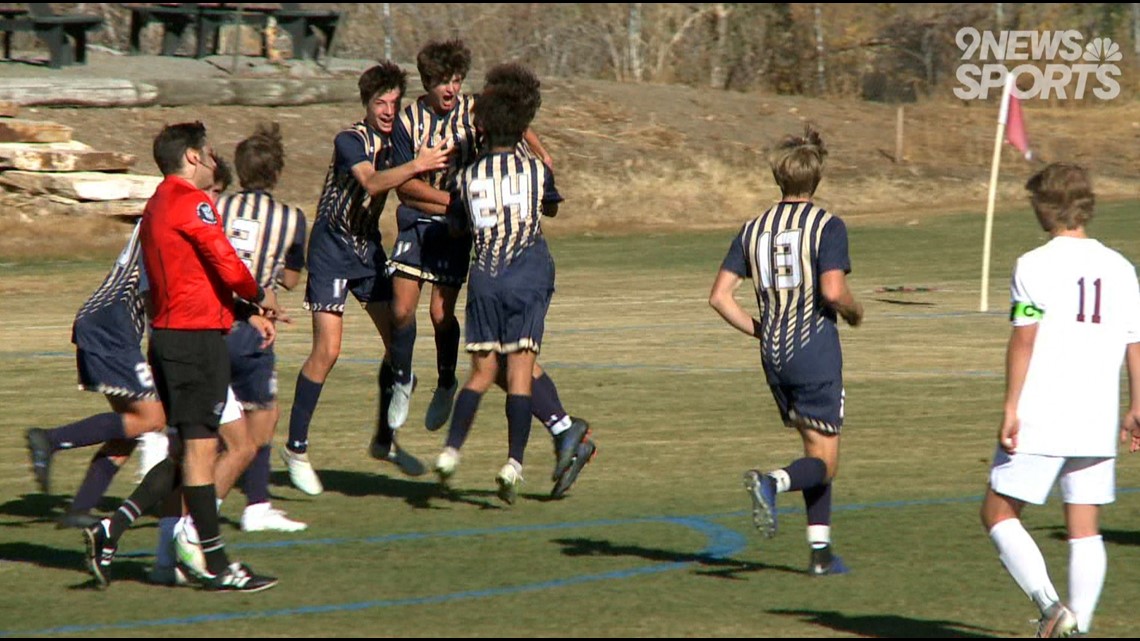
pixel 445 465
pixel 100 552
pixel 407 463
pixel 76 520
pixel 566 445
pixel 301 472
pixel 263 517
pixel 762 489
pixel 509 479
pixel 153 448
pixel 40 450
pixel 586 450
pixel 1057 622
pixel 401 399
pixel 238 577
pixel 824 563
pixel 439 410
pixel 188 553
pixel 168 575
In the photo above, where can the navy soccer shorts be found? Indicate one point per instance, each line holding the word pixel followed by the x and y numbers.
pixel 124 374
pixel 818 406
pixel 426 250
pixel 253 372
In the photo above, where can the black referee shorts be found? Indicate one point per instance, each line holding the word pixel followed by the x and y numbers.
pixel 191 372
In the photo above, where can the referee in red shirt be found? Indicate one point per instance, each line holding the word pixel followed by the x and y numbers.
pixel 194 274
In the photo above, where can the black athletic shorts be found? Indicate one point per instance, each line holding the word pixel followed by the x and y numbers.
pixel 191 372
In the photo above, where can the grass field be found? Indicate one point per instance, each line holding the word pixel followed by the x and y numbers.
pixel 655 539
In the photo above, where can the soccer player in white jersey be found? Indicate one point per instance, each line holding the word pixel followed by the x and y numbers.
pixel 1076 318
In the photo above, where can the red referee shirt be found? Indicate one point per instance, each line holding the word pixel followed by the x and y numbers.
pixel 192 267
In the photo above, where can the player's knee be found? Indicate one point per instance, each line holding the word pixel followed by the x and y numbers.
pixel 324 356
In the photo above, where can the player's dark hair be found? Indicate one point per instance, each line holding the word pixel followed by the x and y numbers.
pixel 171 144
pixel 797 163
pixel 223 175
pixel 508 104
pixel 260 158
pixel 437 62
pixel 1062 195
pixel 380 79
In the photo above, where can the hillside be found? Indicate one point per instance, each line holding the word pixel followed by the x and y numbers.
pixel 666 158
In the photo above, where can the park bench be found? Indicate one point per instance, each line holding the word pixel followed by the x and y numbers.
pixel 65 36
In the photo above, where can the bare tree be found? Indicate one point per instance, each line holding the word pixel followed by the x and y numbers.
pixel 718 75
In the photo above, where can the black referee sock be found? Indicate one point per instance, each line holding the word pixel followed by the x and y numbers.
pixel 203 505
pixel 157 483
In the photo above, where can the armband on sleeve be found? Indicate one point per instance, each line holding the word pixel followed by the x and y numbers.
pixel 1025 311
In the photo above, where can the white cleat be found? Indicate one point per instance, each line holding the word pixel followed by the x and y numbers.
pixel 301 472
pixel 445 465
pixel 188 551
pixel 439 410
pixel 263 517
pixel 509 479
pixel 401 399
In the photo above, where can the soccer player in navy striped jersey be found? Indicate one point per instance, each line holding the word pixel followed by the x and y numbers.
pixel 269 237
pixel 499 198
pixel 345 255
pixel 424 251
pixel 796 255
pixel 107 333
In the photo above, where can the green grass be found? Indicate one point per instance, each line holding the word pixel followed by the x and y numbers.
pixel 679 409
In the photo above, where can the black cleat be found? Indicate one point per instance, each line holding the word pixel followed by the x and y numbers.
pixel 100 552
pixel 566 446
pixel 238 577
pixel 586 451
pixel 40 450
pixel 824 563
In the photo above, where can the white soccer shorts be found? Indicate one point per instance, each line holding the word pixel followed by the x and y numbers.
pixel 1085 480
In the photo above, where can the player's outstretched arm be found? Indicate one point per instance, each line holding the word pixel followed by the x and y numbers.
pixel 723 300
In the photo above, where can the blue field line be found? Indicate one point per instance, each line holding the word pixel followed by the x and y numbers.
pixel 721 542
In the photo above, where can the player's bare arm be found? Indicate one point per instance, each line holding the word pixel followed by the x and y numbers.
pixel 833 287
pixel 378 182
pixel 1130 426
pixel 537 147
pixel 1017 357
pixel 723 300
pixel 289 279
pixel 422 196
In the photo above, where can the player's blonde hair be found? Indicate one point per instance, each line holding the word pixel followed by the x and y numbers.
pixel 797 163
pixel 1062 196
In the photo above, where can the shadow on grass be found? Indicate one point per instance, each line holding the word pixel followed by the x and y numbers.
pixel 70 559
pixel 716 567
pixel 888 625
pixel 1115 537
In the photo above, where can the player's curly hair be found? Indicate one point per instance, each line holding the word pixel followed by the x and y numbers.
pixel 797 163
pixel 1062 195
pixel 508 104
pixel 260 159
pixel 437 62
pixel 381 79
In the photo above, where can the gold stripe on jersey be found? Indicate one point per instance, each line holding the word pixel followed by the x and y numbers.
pixel 261 229
pixel 346 204
pixel 423 274
pixel 782 245
pixel 504 194
pixel 456 127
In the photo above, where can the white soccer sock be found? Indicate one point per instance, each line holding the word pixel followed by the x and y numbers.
pixel 1022 558
pixel 561 426
pixel 164 553
pixel 819 536
pixel 783 481
pixel 1088 562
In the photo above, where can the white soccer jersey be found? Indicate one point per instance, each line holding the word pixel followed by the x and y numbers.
pixel 1086 301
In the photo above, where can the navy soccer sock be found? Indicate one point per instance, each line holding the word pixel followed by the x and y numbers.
pixel 403 347
pixel 385 379
pixel 305 397
pixel 545 404
pixel 805 473
pixel 518 425
pixel 447 353
pixel 99 476
pixel 256 482
pixel 91 430
pixel 466 404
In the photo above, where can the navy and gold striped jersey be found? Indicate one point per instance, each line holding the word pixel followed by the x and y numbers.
pixel 269 235
pixel 114 319
pixel 419 125
pixel 348 210
pixel 501 197
pixel 784 252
